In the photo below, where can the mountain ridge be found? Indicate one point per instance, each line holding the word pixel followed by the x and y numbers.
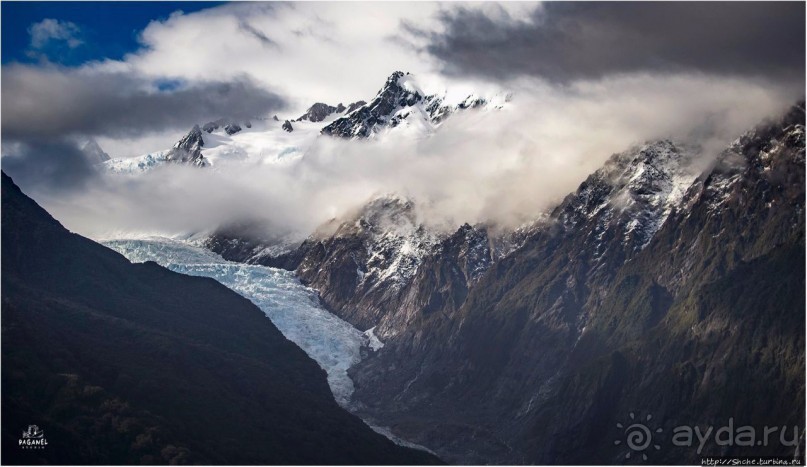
pixel 400 101
pixel 530 331
pixel 566 292
pixel 399 104
pixel 127 363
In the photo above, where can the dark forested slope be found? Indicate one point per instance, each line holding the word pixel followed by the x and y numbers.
pixel 131 363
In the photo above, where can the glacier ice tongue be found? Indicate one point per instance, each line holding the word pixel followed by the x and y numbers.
pixel 292 307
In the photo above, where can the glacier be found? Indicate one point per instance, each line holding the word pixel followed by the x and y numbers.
pixel 295 309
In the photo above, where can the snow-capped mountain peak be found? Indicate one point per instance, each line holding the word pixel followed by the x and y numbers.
pixel 368 119
pixel 392 241
pixel 93 152
pixel 192 141
pixel 403 102
pixel 402 105
pixel 634 192
pixel 189 149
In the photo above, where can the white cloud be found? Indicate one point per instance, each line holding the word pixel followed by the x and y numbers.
pixel 48 30
pixel 503 167
pixel 498 166
pixel 309 51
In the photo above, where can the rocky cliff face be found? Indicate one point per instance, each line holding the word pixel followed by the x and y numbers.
pixel 354 106
pixel 247 242
pixel 319 112
pixel 701 325
pixel 230 127
pixel 660 285
pixel 363 264
pixel 400 100
pixel 636 296
pixel 188 150
pixel 376 262
pixel 367 119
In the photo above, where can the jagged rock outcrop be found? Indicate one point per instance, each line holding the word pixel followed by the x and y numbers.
pixel 354 106
pixel 319 112
pixel 399 100
pixel 365 120
pixel 93 152
pixel 230 127
pixel 210 127
pixel 287 126
pixel 376 263
pixel 188 150
pixel 442 280
pixel 247 242
pixel 369 258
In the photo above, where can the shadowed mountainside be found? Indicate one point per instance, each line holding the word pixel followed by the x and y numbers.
pixel 124 363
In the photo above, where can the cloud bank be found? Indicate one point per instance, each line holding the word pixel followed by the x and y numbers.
pixel 502 167
pixel 47 111
pixel 52 101
pixel 589 79
pixel 564 41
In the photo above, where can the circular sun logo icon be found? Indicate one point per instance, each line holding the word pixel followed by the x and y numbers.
pixel 638 437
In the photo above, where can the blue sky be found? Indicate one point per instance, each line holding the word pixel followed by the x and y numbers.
pixel 104 29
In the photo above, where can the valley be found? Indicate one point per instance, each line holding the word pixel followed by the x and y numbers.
pixel 403 233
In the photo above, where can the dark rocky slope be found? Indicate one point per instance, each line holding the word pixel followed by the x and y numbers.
pixel 657 287
pixel 599 314
pixel 124 363
pixel 376 263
